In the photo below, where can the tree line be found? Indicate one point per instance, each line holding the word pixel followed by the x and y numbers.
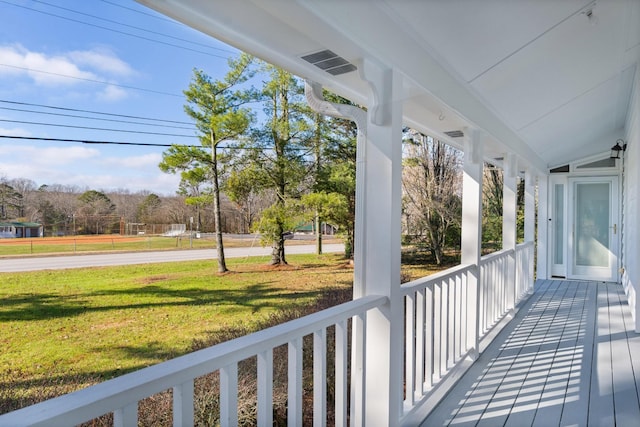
pixel 70 210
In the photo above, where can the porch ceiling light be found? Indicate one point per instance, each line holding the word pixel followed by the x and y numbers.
pixel 617 149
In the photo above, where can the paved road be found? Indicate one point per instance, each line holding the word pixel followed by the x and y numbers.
pixel 11 265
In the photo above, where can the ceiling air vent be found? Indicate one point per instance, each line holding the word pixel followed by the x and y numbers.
pixel 330 62
pixel 454 133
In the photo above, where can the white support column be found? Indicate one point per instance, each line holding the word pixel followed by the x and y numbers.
pixel 543 227
pixel 510 223
pixel 509 202
pixel 529 220
pixel 379 220
pixel 529 207
pixel 471 244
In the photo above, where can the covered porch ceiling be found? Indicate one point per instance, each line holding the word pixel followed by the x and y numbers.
pixel 547 80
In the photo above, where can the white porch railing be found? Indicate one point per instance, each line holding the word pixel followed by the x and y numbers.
pixel 438 316
pixel 121 395
pixel 496 288
pixel 445 317
pixel 444 320
pixel 524 269
pixel 506 277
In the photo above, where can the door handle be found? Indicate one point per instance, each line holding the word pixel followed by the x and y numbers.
pixel 615 228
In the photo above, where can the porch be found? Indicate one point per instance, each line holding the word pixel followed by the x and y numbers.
pixel 565 359
pixel 410 344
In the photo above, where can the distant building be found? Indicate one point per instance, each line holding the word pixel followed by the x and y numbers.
pixel 14 229
pixel 309 228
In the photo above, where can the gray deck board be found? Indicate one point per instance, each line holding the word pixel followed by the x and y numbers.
pixel 566 359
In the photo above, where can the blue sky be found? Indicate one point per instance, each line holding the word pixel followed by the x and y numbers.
pixel 54 53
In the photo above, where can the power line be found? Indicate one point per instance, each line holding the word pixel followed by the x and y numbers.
pixel 114 30
pixel 162 18
pixel 92 112
pixel 87 141
pixel 142 144
pixel 94 128
pixel 96 118
pixel 92 80
pixel 131 26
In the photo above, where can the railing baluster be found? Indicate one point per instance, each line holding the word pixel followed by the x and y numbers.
pixel 294 410
pixel 320 378
pixel 410 350
pixel 458 318
pixel 341 374
pixel 444 327
pixel 483 300
pixel 358 354
pixel 429 332
pixel 229 395
pixel 495 288
pixel 183 404
pixel 498 273
pixel 451 323
pixel 126 417
pixel 437 330
pixel 420 343
pixel 265 388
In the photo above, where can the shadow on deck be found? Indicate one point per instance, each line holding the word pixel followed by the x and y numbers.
pixel 569 357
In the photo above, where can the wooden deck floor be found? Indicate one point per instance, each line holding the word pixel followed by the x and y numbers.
pixel 570 357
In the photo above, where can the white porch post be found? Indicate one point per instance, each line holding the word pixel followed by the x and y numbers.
pixel 543 226
pixel 509 202
pixel 379 221
pixel 529 218
pixel 509 222
pixel 529 207
pixel 471 244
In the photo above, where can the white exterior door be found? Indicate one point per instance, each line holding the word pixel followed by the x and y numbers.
pixel 593 228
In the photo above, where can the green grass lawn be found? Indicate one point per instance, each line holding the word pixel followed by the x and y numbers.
pixel 66 329
pixel 63 330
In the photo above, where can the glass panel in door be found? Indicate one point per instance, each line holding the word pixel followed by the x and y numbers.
pixel 558 231
pixel 594 230
pixel 592 224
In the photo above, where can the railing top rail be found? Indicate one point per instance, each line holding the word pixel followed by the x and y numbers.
pixel 423 282
pixel 493 255
pixel 524 244
pixel 83 405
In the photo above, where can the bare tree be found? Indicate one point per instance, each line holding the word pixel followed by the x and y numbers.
pixel 431 181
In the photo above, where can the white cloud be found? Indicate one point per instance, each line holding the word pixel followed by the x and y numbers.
pixel 102 59
pixel 47 157
pixel 22 61
pixel 14 132
pixel 85 167
pixel 157 182
pixel 112 93
pixel 142 161
pixel 52 70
